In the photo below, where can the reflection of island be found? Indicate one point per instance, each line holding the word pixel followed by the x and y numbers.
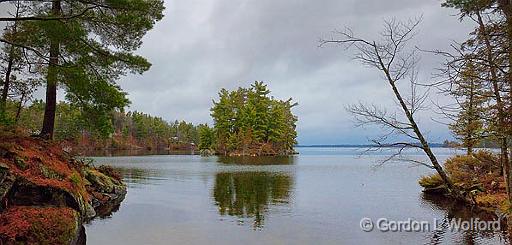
pixel 248 194
pixel 454 212
pixel 262 160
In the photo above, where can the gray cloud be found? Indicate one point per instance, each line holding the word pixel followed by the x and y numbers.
pixel 203 46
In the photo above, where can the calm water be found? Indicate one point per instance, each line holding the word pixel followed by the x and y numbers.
pixel 317 197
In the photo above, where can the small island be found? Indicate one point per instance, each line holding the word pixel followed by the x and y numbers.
pixel 250 122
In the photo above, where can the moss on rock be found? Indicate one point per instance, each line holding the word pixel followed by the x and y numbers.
pixel 39 225
pixel 45 194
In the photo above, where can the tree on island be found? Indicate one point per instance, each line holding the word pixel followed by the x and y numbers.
pixel 248 121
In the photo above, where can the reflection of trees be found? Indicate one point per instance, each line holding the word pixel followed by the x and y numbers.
pixel 455 211
pixel 132 152
pixel 262 160
pixel 139 175
pixel 248 194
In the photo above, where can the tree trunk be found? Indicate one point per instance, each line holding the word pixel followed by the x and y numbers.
pixel 10 62
pixel 506 7
pixel 20 107
pixel 470 151
pixel 471 118
pixel 51 79
pixel 424 144
pixel 502 125
pixel 7 81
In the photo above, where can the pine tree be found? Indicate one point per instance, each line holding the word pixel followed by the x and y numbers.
pixel 469 91
pixel 250 122
pixel 84 47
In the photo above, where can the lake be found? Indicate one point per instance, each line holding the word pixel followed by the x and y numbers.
pixel 316 197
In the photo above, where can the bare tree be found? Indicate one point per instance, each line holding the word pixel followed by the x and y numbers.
pixel 391 56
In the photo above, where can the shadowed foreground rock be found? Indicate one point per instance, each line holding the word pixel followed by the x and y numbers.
pixel 46 195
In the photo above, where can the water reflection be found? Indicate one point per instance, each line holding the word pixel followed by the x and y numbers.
pixel 249 194
pixel 458 212
pixel 139 175
pixel 133 152
pixel 311 198
pixel 106 211
pixel 264 160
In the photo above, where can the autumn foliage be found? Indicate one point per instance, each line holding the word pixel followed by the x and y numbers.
pixel 478 174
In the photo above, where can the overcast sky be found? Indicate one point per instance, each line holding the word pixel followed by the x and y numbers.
pixel 202 46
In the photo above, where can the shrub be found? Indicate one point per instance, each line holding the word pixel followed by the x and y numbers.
pixel 431 181
pixel 493 201
pixel 35 225
pixel 5 120
pixel 467 171
pixel 473 169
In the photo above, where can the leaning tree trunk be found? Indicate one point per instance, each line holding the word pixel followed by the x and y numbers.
pixel 51 79
pixel 424 144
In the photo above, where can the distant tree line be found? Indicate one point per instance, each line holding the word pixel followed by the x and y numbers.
pixel 118 130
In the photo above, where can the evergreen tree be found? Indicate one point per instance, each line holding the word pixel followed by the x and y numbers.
pixel 84 47
pixel 469 92
pixel 250 122
pixel 206 137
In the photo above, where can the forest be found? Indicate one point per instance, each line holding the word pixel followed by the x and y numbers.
pixel 57 52
pixel 120 131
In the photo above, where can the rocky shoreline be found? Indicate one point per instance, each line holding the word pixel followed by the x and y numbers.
pixel 46 194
